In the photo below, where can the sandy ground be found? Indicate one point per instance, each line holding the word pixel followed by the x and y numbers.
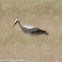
pixel 14 44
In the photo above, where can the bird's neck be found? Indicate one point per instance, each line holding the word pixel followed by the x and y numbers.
pixel 20 24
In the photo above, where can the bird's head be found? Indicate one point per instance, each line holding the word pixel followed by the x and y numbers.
pixel 16 21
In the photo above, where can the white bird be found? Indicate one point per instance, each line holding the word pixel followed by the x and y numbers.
pixel 30 29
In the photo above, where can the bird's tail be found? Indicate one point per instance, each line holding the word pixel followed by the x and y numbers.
pixel 44 32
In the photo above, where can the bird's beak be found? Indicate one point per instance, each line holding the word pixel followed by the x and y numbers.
pixel 14 24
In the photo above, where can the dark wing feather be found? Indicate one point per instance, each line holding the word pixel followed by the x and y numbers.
pixel 39 31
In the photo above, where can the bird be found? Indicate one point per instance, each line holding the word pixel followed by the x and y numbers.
pixel 30 29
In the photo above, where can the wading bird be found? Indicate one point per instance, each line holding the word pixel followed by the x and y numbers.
pixel 30 29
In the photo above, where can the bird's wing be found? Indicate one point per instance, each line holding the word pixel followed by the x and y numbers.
pixel 33 30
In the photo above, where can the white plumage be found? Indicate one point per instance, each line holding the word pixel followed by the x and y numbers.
pixel 30 29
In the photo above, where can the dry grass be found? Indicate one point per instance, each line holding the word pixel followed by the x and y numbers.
pixel 45 14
